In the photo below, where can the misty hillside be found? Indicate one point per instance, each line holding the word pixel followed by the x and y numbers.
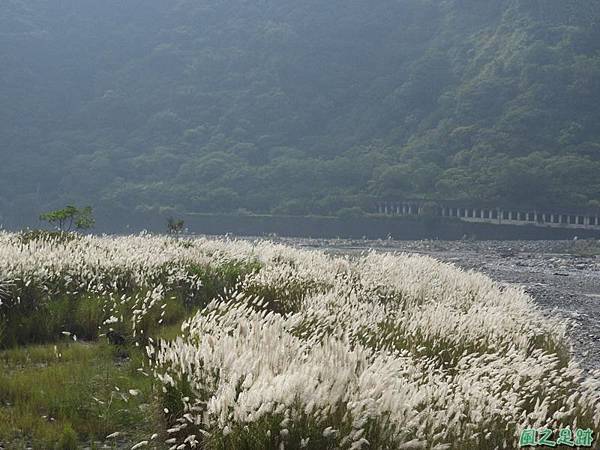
pixel 297 107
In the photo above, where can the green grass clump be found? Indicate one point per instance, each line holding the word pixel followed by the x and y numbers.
pixel 68 438
pixel 216 280
pixel 59 396
pixel 38 320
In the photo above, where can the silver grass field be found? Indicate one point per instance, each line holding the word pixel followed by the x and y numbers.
pixel 301 349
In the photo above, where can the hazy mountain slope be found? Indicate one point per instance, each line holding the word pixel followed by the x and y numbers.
pixel 297 106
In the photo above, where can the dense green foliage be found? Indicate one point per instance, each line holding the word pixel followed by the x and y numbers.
pixel 70 215
pixel 297 107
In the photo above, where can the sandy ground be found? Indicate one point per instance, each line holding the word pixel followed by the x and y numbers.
pixel 562 277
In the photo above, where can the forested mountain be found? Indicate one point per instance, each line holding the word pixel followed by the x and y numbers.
pixel 297 107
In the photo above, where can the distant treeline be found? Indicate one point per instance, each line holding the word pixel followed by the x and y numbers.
pixel 287 107
pixel 369 227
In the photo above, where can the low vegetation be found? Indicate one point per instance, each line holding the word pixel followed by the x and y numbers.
pixel 585 248
pixel 225 344
pixel 65 394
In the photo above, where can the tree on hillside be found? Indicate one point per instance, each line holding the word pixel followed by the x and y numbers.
pixel 174 226
pixel 70 215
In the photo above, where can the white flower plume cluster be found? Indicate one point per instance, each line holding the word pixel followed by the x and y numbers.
pixel 318 351
pixel 97 264
pixel 384 351
pixel 132 273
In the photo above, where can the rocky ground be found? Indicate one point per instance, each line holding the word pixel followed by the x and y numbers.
pixel 562 276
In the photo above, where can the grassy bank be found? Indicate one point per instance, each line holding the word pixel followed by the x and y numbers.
pixel 224 344
pixel 67 394
pixel 62 382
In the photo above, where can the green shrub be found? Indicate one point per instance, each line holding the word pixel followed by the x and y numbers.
pixel 68 438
